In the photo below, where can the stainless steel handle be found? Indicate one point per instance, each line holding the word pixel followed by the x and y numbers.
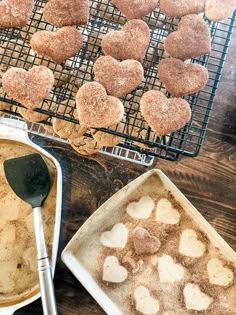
pixel 44 269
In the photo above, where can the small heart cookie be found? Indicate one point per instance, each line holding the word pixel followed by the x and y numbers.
pixel 141 209
pixel 165 213
pixel 58 46
pixel 182 78
pixel 113 271
pixel 15 13
pixel 173 8
pixel 116 238
pixel 95 108
pixel 218 274
pixel 28 87
pixel 65 13
pixel 218 10
pixel 189 245
pixel 120 44
pixel 118 78
pixel 162 114
pixel 192 39
pixel 195 299
pixel 135 9
pixel 168 270
pixel 144 243
pixel 144 302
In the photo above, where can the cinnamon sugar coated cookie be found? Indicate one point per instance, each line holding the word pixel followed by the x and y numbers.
pixel 28 87
pixel 95 108
pixel 59 45
pixel 85 145
pixel 65 13
pixel 218 10
pixel 173 8
pixel 118 78
pixel 182 78
pixel 135 9
pixel 162 114
pixel 129 43
pixel 15 13
pixel 192 39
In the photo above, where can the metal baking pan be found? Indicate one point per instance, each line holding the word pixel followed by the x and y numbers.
pixel 9 133
pixel 85 261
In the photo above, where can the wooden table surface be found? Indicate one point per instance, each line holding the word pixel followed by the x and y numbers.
pixel 208 181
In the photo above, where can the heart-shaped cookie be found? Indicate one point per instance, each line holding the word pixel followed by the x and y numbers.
pixel 58 46
pixel 118 78
pixel 116 238
pixel 182 78
pixel 162 114
pixel 113 271
pixel 135 9
pixel 15 13
pixel 218 10
pixel 189 244
pixel 141 209
pixel 168 270
pixel 144 302
pixel 195 299
pixel 64 13
pixel 28 88
pixel 120 44
pixel 95 108
pixel 144 243
pixel 165 212
pixel 192 39
pixel 173 8
pixel 218 274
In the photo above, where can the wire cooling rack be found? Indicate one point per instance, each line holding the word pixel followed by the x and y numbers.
pixel 137 135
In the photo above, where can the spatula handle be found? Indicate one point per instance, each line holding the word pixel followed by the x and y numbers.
pixel 44 269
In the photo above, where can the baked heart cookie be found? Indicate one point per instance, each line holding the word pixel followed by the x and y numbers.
pixel 58 46
pixel 144 243
pixel 97 109
pixel 192 39
pixel 118 78
pixel 129 43
pixel 136 9
pixel 63 13
pixel 182 78
pixel 218 10
pixel 15 13
pixel 162 114
pixel 173 8
pixel 28 87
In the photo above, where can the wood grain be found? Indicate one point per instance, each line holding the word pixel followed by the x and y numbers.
pixel 208 181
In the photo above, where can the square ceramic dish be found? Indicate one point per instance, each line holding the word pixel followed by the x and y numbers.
pixel 16 290
pixel 193 270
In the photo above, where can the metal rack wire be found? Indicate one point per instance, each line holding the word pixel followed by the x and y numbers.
pixel 15 51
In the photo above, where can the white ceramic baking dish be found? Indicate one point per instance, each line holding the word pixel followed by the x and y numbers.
pixel 109 212
pixel 8 131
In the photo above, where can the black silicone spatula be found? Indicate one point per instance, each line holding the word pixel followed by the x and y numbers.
pixel 29 178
